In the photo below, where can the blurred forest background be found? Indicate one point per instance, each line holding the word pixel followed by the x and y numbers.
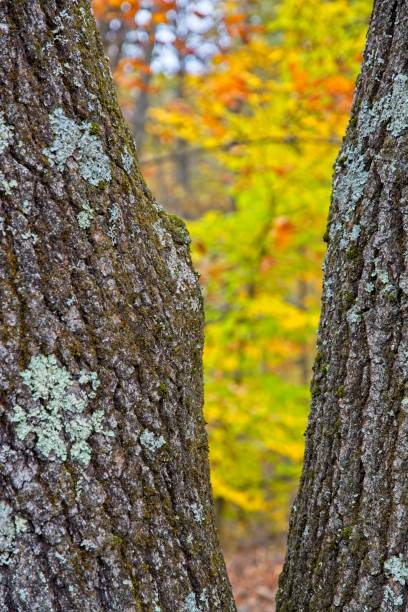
pixel 238 108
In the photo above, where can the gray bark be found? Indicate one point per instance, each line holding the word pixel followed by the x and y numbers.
pixel 105 501
pixel 348 545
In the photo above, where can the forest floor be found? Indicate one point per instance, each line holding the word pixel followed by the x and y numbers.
pixel 254 573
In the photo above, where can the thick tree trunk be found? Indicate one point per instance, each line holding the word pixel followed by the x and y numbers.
pixel 348 544
pixel 105 502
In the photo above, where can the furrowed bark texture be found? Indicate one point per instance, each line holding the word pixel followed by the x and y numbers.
pixel 348 545
pixel 105 501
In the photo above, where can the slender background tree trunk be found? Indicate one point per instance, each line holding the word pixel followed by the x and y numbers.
pixel 348 545
pixel 105 502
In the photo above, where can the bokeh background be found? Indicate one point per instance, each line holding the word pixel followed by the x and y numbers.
pixel 238 108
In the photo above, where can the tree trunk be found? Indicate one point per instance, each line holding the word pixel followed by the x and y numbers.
pixel 348 545
pixel 105 501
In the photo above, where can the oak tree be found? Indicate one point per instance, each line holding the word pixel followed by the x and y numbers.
pixel 348 546
pixel 105 501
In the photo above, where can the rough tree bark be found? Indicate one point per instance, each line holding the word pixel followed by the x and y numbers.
pixel 105 502
pixel 348 545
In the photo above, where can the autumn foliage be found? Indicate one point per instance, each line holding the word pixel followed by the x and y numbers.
pixel 240 139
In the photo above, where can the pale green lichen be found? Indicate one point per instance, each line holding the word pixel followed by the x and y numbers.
pixel 355 232
pixel 178 267
pixel 30 236
pixel 88 545
pixel 91 378
pixel 6 134
pixel 353 315
pixel 21 525
pixel 58 417
pixel 350 236
pixel 127 160
pixel 6 185
pixel 351 174
pixel 397 568
pixel 26 207
pixel 391 598
pixel 65 15
pixel 77 140
pixel 349 186
pixel 85 216
pixel 382 276
pixel 114 217
pixel 7 534
pixel 10 528
pixel 204 598
pixel 392 108
pixel 198 512
pixel 158 207
pixel 151 441
pixel 190 603
pixel 397 108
